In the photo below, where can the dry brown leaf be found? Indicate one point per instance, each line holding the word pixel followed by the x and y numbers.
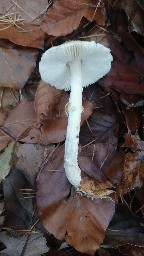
pixel 133 175
pixel 65 16
pixel 54 130
pixel 4 137
pixel 135 14
pixel 47 97
pixel 126 74
pixel 20 119
pixel 32 245
pixel 79 220
pixel 27 35
pixel 9 99
pixel 2 116
pixel 28 10
pixel 124 79
pixel 20 21
pixel 97 34
pixel 16 66
pixel 102 126
pixel 29 158
pixel 4 140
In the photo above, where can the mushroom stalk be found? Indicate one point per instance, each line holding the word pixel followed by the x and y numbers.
pixel 72 169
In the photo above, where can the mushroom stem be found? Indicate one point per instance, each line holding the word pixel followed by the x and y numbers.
pixel 72 169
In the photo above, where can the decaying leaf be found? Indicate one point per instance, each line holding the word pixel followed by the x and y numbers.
pixel 126 228
pixel 29 159
pixel 135 14
pixel 133 175
pixel 28 10
pixel 102 125
pixel 20 118
pixel 29 245
pixel 67 214
pixel 20 22
pixel 5 161
pixel 9 99
pixel 126 74
pixel 16 65
pixel 54 130
pixel 2 116
pixel 65 16
pixel 26 35
pixel 47 98
pixel 97 34
pixel 18 201
pixel 5 139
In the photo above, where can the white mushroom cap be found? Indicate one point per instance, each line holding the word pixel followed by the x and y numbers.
pixel 95 63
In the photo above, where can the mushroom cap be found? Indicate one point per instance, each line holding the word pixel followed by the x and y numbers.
pixel 95 63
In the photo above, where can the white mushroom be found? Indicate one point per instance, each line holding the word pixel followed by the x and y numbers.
pixel 72 66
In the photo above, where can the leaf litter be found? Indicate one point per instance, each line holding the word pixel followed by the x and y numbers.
pixel 36 199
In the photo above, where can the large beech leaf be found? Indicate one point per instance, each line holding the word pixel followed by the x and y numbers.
pixel 126 74
pixel 68 215
pixel 16 65
pixel 65 16
pixel 26 32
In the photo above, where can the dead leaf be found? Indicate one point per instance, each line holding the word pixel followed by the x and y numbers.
pixel 16 65
pixel 65 16
pixel 47 98
pixel 132 114
pixel 125 75
pixel 20 22
pixel 134 13
pixel 5 139
pixel 79 220
pixel 5 161
pixel 28 10
pixel 132 250
pixel 66 252
pixel 97 34
pixel 20 119
pixel 26 35
pixel 102 125
pixel 30 245
pixel 125 228
pixel 133 175
pixel 52 117
pixel 29 159
pixel 18 201
pixel 2 116
pixel 9 99
pixel 54 130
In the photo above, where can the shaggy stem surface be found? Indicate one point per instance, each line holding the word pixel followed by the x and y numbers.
pixel 72 169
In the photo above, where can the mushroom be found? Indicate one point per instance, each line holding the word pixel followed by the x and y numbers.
pixel 72 66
